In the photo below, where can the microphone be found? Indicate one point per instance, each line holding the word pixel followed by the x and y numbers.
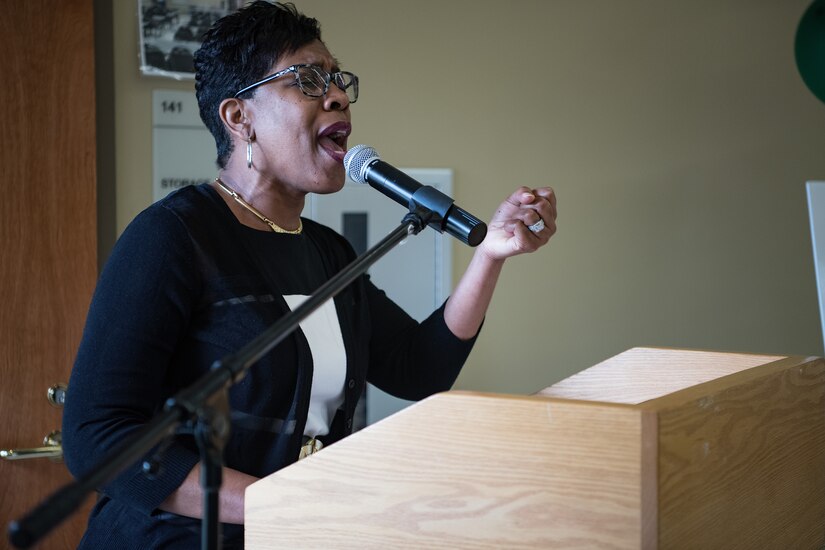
pixel 363 165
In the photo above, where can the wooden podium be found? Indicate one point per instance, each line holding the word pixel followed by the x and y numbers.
pixel 653 448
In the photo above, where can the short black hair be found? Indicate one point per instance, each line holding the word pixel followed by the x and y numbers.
pixel 239 50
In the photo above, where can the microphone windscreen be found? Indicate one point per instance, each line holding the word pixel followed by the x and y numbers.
pixel 357 159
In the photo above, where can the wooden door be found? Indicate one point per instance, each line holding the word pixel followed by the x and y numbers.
pixel 48 234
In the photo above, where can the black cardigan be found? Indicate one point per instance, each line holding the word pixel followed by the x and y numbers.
pixel 187 284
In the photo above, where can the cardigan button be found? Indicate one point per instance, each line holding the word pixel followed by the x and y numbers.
pixel 351 383
pixel 349 423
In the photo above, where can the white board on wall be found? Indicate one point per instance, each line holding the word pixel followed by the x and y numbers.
pixel 416 274
pixel 183 151
pixel 816 213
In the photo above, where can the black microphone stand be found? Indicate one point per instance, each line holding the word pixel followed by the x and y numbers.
pixel 203 405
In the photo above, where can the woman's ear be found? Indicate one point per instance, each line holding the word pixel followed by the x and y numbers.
pixel 234 117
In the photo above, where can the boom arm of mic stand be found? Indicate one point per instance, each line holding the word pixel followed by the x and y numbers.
pixel 25 532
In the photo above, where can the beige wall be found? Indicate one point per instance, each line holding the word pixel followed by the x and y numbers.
pixel 677 134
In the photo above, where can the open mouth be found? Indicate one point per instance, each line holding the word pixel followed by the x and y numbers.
pixel 333 139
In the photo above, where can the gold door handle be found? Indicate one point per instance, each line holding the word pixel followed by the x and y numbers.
pixel 51 448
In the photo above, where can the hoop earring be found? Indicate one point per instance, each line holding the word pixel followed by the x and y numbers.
pixel 249 153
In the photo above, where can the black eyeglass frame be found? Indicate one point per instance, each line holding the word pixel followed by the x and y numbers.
pixel 335 77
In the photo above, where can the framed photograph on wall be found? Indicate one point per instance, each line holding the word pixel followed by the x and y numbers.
pixel 171 30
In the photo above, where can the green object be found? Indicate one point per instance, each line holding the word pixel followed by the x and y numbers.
pixel 810 48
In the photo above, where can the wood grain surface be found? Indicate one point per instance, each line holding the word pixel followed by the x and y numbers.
pixel 742 464
pixel 642 374
pixel 48 235
pixel 464 470
pixel 722 451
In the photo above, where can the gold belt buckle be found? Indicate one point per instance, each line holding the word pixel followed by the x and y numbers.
pixel 310 447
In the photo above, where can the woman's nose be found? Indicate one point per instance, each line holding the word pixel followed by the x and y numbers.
pixel 335 99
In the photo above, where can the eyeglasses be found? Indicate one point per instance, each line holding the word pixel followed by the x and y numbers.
pixel 314 81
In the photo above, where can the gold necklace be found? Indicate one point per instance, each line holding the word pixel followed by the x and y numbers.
pixel 274 226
